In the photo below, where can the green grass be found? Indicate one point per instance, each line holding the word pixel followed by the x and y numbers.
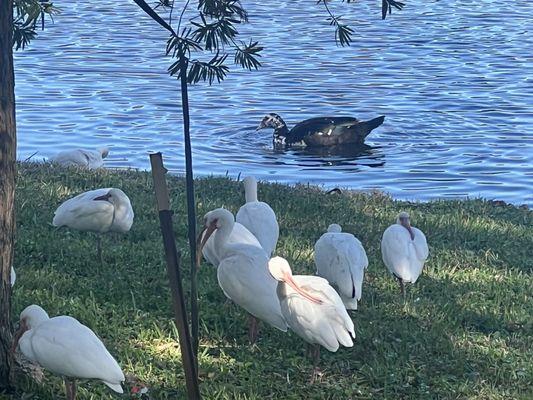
pixel 464 331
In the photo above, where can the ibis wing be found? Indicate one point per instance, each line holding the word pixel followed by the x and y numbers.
pixel 66 347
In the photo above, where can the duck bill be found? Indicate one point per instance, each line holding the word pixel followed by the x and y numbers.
pixel 261 126
pixel 289 281
pixel 16 338
pixel 201 240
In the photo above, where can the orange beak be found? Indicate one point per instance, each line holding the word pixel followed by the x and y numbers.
pixel 289 281
pixel 200 242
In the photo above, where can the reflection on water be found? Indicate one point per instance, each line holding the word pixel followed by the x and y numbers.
pixel 455 91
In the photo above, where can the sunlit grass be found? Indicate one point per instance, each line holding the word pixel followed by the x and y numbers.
pixel 464 331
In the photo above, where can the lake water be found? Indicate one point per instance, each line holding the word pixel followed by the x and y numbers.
pixel 452 77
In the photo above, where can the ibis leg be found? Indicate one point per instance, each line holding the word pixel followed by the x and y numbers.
pixel 316 358
pixel 402 287
pixel 99 248
pixel 70 389
pixel 253 328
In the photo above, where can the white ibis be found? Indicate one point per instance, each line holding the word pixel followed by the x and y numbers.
pixel 312 309
pixel 67 348
pixel 100 210
pixel 239 234
pixel 341 259
pixel 258 217
pixel 243 273
pixel 90 159
pixel 404 249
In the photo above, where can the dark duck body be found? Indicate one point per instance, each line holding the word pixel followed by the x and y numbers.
pixel 321 131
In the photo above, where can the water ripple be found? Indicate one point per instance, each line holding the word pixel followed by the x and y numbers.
pixel 455 90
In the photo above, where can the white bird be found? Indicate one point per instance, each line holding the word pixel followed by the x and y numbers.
pixel 243 273
pixel 312 309
pixel 404 249
pixel 100 210
pixel 90 159
pixel 239 234
pixel 258 217
pixel 13 276
pixel 341 259
pixel 65 347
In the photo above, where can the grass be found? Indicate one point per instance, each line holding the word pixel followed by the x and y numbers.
pixel 463 332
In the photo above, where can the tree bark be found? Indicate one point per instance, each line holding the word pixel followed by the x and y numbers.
pixel 8 148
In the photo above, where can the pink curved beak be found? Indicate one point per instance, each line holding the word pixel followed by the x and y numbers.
pixel 200 243
pixel 289 281
pixel 18 334
pixel 407 225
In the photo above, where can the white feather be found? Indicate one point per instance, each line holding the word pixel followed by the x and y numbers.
pixel 404 257
pixel 259 218
pixel 85 213
pixel 90 159
pixel 66 347
pixel 341 259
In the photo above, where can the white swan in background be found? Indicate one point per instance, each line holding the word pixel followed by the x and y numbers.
pixel 90 159
pixel 312 309
pixel 341 259
pixel 243 273
pixel 258 217
pixel 404 250
pixel 65 347
pixel 100 210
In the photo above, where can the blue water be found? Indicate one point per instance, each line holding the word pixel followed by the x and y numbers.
pixel 452 77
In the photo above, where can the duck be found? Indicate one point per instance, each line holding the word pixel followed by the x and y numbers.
pixel 341 259
pixel 320 131
pixel 404 250
pixel 258 217
pixel 83 158
pixel 65 347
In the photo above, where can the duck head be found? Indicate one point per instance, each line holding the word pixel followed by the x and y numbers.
pixel 274 121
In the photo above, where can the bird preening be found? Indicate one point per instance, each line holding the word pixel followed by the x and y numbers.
pixel 82 158
pixel 250 274
pixel 404 250
pixel 320 131
pixel 65 347
pixel 99 211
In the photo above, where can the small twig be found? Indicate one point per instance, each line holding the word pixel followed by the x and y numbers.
pixel 29 158
pixel 181 15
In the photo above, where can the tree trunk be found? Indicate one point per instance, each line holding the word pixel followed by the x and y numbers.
pixel 191 206
pixel 8 147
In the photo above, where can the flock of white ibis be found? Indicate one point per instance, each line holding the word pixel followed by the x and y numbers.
pixel 312 306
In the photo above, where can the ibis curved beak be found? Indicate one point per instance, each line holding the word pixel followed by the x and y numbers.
pixel 289 281
pixel 104 197
pixel 18 334
pixel 201 241
pixel 407 225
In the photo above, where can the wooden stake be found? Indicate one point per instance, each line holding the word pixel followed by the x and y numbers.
pixel 172 257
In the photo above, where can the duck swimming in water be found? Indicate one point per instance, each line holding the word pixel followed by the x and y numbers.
pixel 321 131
